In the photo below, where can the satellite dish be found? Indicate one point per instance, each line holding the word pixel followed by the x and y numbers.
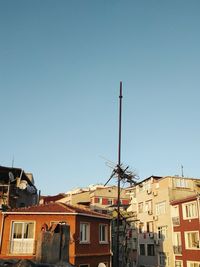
pixel 11 177
pixel 101 264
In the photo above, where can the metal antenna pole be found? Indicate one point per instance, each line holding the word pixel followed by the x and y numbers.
pixel 119 164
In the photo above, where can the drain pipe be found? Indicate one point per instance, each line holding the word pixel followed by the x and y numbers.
pixel 2 228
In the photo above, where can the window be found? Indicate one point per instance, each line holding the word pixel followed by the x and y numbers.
pixel 150 227
pixel 103 233
pixel 22 238
pixel 175 215
pixel 162 232
pixel 177 243
pixel 175 211
pixel 110 201
pixel 150 250
pixel 178 263
pixel 141 227
pixel 148 206
pixel 98 200
pixel 163 259
pixel 84 232
pixel 180 182
pixel 192 240
pixel 140 207
pixel 193 263
pixel 161 208
pixel 190 210
pixel 142 249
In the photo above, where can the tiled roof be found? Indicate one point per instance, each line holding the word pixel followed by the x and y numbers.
pixel 183 199
pixel 56 207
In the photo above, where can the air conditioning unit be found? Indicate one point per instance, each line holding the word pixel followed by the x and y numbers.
pixel 155 218
pixel 155 193
pixel 149 191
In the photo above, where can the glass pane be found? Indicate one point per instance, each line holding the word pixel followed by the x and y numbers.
pixel 28 230
pixel 17 230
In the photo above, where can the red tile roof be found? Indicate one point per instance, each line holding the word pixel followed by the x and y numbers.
pixel 183 199
pixel 57 207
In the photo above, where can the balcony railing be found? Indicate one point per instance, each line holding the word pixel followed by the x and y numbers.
pixel 176 221
pixel 177 249
pixel 22 246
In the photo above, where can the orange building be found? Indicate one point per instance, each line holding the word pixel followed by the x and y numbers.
pixel 89 232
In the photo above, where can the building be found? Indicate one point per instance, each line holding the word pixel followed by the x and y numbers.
pixel 17 188
pixel 150 200
pixel 99 198
pixel 50 199
pixel 89 232
pixel 186 231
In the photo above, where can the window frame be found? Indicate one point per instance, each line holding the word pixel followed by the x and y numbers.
pixel 148 206
pixel 186 233
pixel 86 235
pixel 150 227
pixel 193 210
pixel 110 201
pixel 101 234
pixel 181 262
pixel 163 259
pixel 144 247
pixel 160 208
pixel 162 232
pixel 17 245
pixel 140 207
pixel 193 262
pixel 180 182
pixel 150 254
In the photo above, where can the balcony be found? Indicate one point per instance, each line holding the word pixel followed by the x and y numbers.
pixel 176 221
pixel 177 249
pixel 22 246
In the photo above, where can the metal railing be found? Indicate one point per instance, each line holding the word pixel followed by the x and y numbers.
pixel 22 246
pixel 176 221
pixel 177 249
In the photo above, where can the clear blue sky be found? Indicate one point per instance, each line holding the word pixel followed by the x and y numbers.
pixel 61 63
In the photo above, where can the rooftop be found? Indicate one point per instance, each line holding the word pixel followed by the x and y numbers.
pixel 57 207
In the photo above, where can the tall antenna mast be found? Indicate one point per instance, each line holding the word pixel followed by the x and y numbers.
pixel 119 175
pixel 13 160
pixel 182 171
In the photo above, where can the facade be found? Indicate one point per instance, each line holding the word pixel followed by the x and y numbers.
pixel 17 188
pixel 186 231
pixel 99 198
pixel 150 200
pixel 89 233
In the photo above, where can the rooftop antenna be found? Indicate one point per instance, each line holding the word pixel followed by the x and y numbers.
pixel 122 174
pixel 182 171
pixel 13 160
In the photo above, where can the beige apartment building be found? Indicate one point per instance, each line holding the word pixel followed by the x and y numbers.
pixel 150 200
pixel 99 198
